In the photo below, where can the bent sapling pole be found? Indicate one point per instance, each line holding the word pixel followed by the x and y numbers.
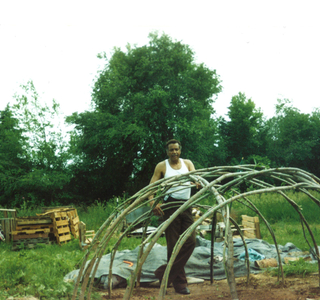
pixel 215 181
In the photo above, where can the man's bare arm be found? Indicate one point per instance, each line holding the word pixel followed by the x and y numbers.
pixel 157 175
pixel 191 167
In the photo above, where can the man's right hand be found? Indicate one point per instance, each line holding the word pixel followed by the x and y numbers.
pixel 157 209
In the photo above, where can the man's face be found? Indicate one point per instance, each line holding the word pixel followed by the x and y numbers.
pixel 173 151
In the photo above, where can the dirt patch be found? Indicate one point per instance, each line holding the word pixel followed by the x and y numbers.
pixel 261 287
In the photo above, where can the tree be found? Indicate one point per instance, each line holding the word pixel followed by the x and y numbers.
pixel 14 161
pixel 36 148
pixel 142 98
pixel 243 134
pixel 294 137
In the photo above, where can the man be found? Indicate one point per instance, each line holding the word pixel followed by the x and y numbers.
pixel 172 166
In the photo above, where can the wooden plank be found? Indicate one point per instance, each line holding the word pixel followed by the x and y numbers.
pixel 61 223
pixel 72 213
pixel 5 212
pixel 75 231
pixel 7 226
pixel 252 222
pixel 60 214
pixel 74 221
pixel 29 236
pixel 257 226
pixel 248 229
pixel 249 234
pixel 248 224
pixel 46 209
pixel 64 238
pixel 33 221
pixel 33 226
pixel 247 218
pixel 61 230
pixel 31 231
pixel 29 243
pixel 82 231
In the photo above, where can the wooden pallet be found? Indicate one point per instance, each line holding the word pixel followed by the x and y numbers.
pixel 8 222
pixel 85 236
pixel 35 226
pixel 30 236
pixel 72 216
pixel 61 227
pixel 30 243
pixel 30 231
pixel 251 227
pixel 36 220
pixel 74 222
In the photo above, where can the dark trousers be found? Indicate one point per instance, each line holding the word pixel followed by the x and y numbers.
pixel 182 222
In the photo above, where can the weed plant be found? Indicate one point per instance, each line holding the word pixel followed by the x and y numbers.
pixel 282 217
pixel 293 268
pixel 276 208
pixel 38 272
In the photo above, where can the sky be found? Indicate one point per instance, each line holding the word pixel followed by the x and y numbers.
pixel 267 50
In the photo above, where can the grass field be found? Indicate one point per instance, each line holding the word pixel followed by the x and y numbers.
pixel 40 271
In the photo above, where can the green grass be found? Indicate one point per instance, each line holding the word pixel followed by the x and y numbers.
pixel 40 272
pixel 293 268
pixel 275 207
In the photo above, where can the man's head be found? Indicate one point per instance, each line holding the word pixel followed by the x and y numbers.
pixel 173 141
pixel 173 148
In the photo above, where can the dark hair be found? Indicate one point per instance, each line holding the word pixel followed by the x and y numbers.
pixel 173 141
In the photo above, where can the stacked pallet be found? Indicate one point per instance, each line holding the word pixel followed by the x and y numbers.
pixel 85 236
pixel 73 222
pixel 65 222
pixel 61 226
pixel 251 227
pixel 7 222
pixel 31 231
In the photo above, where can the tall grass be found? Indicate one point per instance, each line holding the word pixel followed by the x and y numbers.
pixel 40 271
pixel 276 208
pixel 280 214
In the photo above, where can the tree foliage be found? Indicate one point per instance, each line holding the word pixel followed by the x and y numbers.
pixel 34 156
pixel 244 133
pixel 294 138
pixel 142 98
pixel 13 155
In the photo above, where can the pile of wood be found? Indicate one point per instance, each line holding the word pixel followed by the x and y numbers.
pixel 65 223
pixel 31 231
pixel 249 227
pixel 55 225
pixel 7 222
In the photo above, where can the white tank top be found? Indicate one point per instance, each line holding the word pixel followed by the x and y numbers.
pixel 181 193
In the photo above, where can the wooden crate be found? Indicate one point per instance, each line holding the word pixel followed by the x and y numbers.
pixel 251 227
pixel 61 227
